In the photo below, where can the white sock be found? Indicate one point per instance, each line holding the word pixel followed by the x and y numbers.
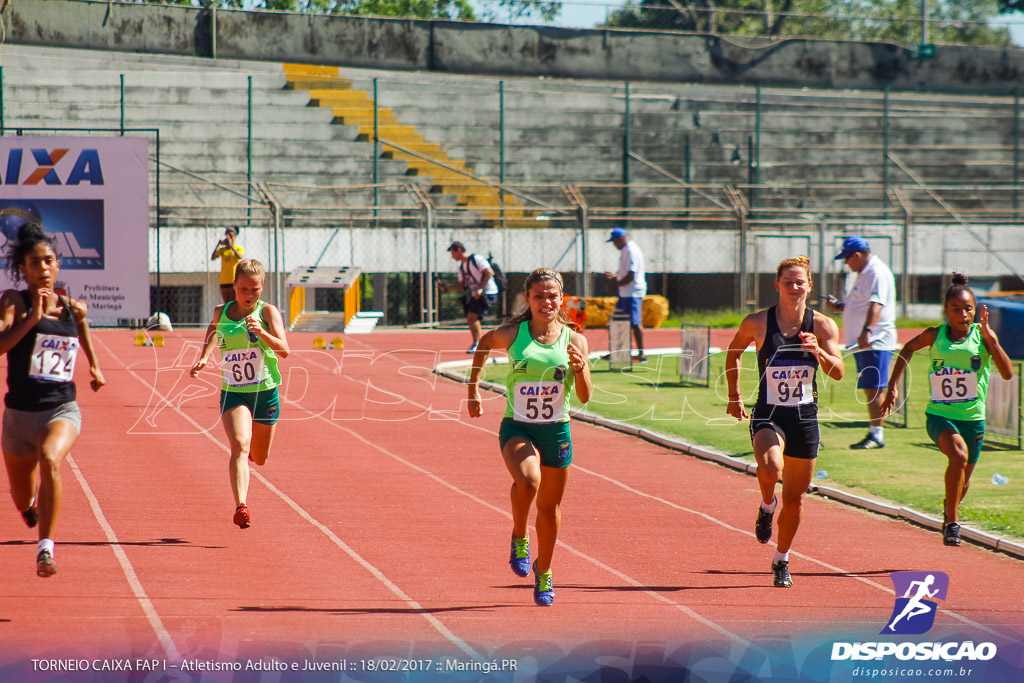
pixel 45 544
pixel 781 557
pixel 770 508
pixel 876 434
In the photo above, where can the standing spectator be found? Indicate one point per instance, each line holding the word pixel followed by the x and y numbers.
pixel 869 327
pixel 632 283
pixel 477 279
pixel 230 254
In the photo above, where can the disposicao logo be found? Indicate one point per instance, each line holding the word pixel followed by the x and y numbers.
pixel 914 614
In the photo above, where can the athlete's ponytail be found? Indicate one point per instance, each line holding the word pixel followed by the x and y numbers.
pixel 533 278
pixel 29 237
pixel 959 286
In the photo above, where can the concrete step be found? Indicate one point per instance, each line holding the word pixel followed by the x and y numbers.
pixel 319 321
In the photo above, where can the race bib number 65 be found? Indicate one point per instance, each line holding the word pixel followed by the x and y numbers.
pixel 538 402
pixel 951 385
pixel 53 358
pixel 243 367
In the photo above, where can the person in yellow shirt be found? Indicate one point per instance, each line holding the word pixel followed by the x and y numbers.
pixel 230 254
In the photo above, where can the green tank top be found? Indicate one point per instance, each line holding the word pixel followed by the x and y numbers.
pixel 246 366
pixel 539 380
pixel 958 375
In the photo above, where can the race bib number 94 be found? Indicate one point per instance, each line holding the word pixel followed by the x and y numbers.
pixel 952 385
pixel 53 358
pixel 789 385
pixel 243 367
pixel 538 402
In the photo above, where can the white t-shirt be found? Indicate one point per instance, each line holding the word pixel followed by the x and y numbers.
pixel 631 260
pixel 471 274
pixel 874 284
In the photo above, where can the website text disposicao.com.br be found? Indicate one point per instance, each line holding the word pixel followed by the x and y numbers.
pixel 911 672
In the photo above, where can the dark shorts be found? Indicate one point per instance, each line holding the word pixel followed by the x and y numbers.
pixel 972 432
pixel 553 441
pixel 872 368
pixel 631 306
pixel 481 306
pixel 264 406
pixel 800 435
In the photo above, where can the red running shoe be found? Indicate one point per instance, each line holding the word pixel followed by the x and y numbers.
pixel 241 517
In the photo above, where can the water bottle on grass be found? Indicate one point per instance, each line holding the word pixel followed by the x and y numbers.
pixel 821 474
pixel 999 479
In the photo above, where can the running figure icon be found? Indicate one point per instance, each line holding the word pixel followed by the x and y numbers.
pixel 916 606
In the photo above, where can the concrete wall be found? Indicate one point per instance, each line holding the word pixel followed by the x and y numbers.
pixel 493 49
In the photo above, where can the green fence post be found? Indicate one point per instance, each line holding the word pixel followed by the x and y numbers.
pixel 376 154
pixel 248 158
pixel 757 135
pixel 686 174
pixel 885 146
pixel 626 145
pixel 1016 147
pixel 501 148
pixel 122 105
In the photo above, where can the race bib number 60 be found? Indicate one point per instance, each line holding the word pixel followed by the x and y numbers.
pixel 538 402
pixel 243 367
pixel 789 385
pixel 53 358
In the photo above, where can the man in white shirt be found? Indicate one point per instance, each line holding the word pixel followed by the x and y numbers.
pixel 477 279
pixel 869 328
pixel 631 281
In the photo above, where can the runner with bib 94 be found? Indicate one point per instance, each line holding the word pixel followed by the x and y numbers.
pixel 961 352
pixel 547 360
pixel 792 342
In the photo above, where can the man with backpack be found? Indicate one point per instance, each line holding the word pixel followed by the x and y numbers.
pixel 477 279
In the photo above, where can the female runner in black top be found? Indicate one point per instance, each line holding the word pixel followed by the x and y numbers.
pixel 792 342
pixel 41 333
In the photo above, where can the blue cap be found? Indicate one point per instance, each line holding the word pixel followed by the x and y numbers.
pixel 616 233
pixel 852 245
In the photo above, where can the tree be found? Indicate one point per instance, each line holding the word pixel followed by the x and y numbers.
pixel 899 21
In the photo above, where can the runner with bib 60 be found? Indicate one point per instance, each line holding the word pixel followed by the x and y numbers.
pixel 961 353
pixel 547 360
pixel 251 336
pixel 792 342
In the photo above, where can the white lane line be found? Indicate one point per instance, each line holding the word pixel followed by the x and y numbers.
pixel 126 566
pixel 376 573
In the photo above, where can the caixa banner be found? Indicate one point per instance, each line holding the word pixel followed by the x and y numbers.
pixel 91 195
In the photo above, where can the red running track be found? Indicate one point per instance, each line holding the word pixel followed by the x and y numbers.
pixel 381 524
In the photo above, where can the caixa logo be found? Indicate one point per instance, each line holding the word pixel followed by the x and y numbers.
pixel 40 166
pixel 914 614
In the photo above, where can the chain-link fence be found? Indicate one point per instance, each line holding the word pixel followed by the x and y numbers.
pixel 382 170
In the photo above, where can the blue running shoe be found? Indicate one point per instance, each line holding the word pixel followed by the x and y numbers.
pixel 519 558
pixel 543 591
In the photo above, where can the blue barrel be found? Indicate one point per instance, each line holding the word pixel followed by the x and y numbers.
pixel 1006 317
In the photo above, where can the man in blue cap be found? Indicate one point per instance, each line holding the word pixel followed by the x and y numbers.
pixel 632 284
pixel 869 329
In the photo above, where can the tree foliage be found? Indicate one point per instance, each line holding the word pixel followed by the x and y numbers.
pixel 899 21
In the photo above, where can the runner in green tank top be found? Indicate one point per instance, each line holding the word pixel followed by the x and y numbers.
pixel 547 361
pixel 961 352
pixel 251 336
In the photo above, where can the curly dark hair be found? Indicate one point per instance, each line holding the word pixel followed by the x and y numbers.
pixel 30 236
pixel 959 285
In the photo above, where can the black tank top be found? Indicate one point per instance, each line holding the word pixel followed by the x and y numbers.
pixel 39 375
pixel 788 373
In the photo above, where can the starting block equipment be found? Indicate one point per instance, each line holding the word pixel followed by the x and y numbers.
pixel 336 343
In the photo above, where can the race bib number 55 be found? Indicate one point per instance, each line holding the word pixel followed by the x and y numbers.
pixel 243 367
pixel 789 385
pixel 53 358
pixel 538 402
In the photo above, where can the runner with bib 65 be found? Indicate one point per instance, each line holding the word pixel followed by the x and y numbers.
pixel 960 352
